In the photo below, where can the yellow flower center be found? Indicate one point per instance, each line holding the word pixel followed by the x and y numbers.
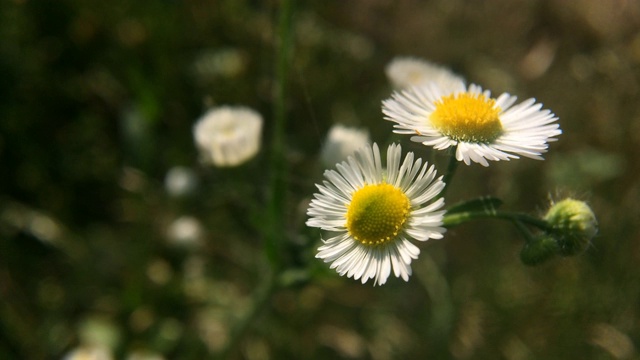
pixel 468 118
pixel 376 213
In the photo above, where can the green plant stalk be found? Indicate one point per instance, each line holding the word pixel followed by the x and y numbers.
pixel 259 301
pixel 451 170
pixel 452 220
pixel 524 231
pixel 277 185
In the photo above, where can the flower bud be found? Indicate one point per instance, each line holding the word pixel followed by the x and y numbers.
pixel 539 250
pixel 574 225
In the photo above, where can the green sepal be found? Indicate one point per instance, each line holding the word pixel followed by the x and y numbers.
pixel 538 250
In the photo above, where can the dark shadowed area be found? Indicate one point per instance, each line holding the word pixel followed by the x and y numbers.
pixel 99 251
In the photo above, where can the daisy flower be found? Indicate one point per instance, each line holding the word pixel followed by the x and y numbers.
pixel 480 127
pixel 404 72
pixel 228 136
pixel 375 212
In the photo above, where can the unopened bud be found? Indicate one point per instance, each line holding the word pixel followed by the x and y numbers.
pixel 539 250
pixel 574 225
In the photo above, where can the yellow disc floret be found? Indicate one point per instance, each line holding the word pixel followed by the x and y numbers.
pixel 467 117
pixel 376 213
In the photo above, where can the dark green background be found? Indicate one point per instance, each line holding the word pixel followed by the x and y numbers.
pixel 97 102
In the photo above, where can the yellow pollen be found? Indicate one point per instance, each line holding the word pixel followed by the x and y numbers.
pixel 376 213
pixel 468 118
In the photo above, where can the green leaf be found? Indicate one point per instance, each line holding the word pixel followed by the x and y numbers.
pixel 486 204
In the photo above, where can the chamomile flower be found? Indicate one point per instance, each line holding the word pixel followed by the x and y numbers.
pixel 375 211
pixel 480 127
pixel 404 72
pixel 228 136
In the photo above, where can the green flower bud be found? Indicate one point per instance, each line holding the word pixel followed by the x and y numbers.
pixel 574 225
pixel 539 250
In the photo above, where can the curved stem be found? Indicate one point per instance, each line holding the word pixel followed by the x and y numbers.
pixel 524 231
pixel 452 220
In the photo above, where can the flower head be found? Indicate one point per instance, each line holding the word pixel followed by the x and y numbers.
pixel 341 142
pixel 404 72
pixel 228 136
pixel 375 211
pixel 481 127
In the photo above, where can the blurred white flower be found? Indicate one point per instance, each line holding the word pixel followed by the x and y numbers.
pixel 89 353
pixel 100 332
pixel 227 62
pixel 228 136
pixel 144 355
pixel 185 231
pixel 404 72
pixel 341 142
pixel 180 181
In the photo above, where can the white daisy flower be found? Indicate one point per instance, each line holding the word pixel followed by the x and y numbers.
pixel 341 142
pixel 482 128
pixel 228 136
pixel 375 211
pixel 405 72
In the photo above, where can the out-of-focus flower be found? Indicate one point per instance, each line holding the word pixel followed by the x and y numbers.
pixel 185 231
pixel 100 332
pixel 341 142
pixel 89 353
pixel 375 211
pixel 180 181
pixel 144 355
pixel 228 136
pixel 404 72
pixel 480 127
pixel 227 62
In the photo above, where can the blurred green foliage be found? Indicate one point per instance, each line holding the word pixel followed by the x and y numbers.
pixel 97 102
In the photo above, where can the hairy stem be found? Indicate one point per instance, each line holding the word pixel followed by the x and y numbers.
pixel 455 219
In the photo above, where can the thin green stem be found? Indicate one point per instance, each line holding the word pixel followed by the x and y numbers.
pixel 455 219
pixel 524 231
pixel 451 170
pixel 432 155
pixel 260 300
pixel 277 184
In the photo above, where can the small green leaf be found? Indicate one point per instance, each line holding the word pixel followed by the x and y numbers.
pixel 486 204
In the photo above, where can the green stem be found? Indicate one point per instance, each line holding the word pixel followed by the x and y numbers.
pixel 451 170
pixel 260 300
pixel 277 184
pixel 455 219
pixel 437 287
pixel 524 231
